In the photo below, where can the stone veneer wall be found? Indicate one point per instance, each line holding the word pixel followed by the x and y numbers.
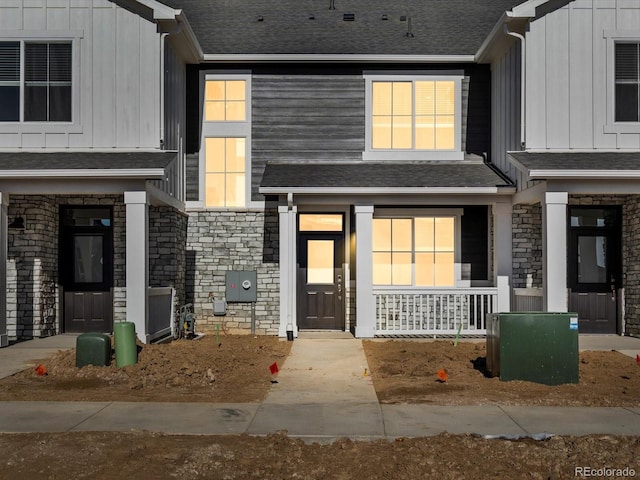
pixel 167 249
pixel 527 244
pixel 221 241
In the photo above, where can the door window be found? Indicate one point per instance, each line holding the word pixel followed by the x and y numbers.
pixel 592 259
pixel 88 259
pixel 320 263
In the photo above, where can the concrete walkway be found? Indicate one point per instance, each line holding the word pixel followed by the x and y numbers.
pixel 322 394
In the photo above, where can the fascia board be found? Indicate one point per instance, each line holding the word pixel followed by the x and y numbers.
pixel 188 32
pixel 86 173
pixel 160 11
pixel 337 58
pixel 527 9
pixel 385 191
pixel 582 174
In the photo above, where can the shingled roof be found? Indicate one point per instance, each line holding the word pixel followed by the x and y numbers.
pixel 437 27
pixel 356 177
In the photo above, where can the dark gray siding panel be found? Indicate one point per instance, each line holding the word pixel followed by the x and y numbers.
pixel 306 118
pixel 193 184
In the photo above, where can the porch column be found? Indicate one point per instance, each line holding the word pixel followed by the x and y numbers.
pixel 4 246
pixel 554 251
pixel 137 258
pixel 365 308
pixel 288 286
pixel 503 252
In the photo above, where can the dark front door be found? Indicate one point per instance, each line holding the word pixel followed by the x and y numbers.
pixel 321 281
pixel 86 268
pixel 594 268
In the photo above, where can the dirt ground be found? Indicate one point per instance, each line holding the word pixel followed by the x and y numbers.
pixel 238 371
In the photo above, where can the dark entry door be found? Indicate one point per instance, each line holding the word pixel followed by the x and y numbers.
pixel 86 268
pixel 595 268
pixel 320 281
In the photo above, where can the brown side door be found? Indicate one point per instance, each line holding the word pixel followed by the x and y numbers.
pixel 86 269
pixel 320 281
pixel 595 269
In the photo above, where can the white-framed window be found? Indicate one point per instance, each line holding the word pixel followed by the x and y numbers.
pixel 36 81
pixel 418 251
pixel 226 141
pixel 627 82
pixel 622 82
pixel 413 117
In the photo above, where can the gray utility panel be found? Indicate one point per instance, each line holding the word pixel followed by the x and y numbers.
pixel 242 287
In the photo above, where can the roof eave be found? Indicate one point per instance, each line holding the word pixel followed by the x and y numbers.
pixel 557 174
pixel 506 190
pixel 335 58
pixel 41 174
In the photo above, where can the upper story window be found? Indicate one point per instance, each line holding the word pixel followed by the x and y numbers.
pixel 226 141
pixel 35 81
pixel 413 117
pixel 627 82
pixel 225 101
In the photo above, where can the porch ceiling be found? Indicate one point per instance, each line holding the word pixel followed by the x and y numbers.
pixel 382 178
pixel 577 165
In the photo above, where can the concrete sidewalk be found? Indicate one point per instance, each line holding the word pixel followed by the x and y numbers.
pixel 393 421
pixel 322 394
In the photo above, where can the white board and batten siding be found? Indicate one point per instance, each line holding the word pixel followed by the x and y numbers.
pixel 116 74
pixel 569 99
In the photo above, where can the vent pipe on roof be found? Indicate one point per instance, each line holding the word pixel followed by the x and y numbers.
pixel 409 32
pixel 332 4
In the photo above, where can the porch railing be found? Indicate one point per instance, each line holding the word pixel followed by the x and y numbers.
pixel 434 312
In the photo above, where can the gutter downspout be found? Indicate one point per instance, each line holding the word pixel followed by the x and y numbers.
pixel 523 70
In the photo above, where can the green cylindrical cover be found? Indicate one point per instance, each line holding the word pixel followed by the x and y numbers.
pixel 124 336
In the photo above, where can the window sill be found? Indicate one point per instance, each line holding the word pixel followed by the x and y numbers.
pixel 40 127
pixel 623 127
pixel 404 155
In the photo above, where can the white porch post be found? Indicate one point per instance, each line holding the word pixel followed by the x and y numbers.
pixel 137 258
pixel 503 252
pixel 4 200
pixel 365 308
pixel 554 251
pixel 288 286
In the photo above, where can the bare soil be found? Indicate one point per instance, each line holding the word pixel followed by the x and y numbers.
pixel 237 370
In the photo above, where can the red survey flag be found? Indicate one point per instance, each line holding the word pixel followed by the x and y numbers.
pixel 638 359
pixel 274 368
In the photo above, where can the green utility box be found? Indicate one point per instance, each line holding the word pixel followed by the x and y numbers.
pixel 93 349
pixel 539 347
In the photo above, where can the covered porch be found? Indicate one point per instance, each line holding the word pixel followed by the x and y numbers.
pixel 422 249
pixel 75 242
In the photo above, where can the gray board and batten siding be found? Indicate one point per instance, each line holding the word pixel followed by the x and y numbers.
pixel 317 114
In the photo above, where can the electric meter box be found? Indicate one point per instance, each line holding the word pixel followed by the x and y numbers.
pixel 242 286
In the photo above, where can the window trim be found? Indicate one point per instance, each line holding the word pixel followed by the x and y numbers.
pixel 456 213
pixel 455 154
pixel 224 129
pixel 613 37
pixel 52 36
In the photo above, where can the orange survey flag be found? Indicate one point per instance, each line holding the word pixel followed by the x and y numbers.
pixel 442 375
pixel 40 370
